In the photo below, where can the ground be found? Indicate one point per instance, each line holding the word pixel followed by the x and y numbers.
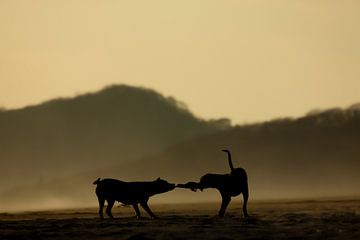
pixel 269 220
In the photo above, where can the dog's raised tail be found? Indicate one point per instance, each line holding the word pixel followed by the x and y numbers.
pixel 229 158
pixel 97 181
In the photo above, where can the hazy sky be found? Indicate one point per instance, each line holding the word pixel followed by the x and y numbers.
pixel 246 60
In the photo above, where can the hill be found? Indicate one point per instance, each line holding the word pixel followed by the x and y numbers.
pixel 113 126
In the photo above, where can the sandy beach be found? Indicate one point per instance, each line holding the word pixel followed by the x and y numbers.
pixel 269 220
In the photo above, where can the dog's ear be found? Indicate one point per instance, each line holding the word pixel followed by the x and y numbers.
pixel 97 181
pixel 158 179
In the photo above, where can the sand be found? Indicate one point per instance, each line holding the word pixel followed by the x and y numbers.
pixel 268 220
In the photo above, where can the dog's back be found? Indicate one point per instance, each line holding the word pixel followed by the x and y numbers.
pixel 130 192
pixel 109 189
pixel 238 182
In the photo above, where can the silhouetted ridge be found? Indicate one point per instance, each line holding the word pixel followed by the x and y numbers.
pixel 113 126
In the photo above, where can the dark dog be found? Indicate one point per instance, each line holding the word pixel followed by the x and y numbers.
pixel 229 185
pixel 129 193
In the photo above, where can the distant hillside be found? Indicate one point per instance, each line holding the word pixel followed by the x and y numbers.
pixel 113 126
pixel 317 155
pixel 312 156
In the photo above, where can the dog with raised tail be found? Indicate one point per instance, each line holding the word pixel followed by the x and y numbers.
pixel 229 185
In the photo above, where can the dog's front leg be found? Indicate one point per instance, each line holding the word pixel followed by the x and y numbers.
pixel 145 206
pixel 225 202
pixel 137 211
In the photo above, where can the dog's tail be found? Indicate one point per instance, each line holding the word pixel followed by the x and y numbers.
pixel 97 181
pixel 229 158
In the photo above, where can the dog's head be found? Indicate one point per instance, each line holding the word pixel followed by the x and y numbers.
pixel 161 186
pixel 206 181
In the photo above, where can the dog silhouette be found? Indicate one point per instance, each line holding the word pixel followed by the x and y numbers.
pixel 229 185
pixel 129 193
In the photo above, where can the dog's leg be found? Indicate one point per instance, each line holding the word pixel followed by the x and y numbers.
pixel 145 206
pixel 101 207
pixel 245 197
pixel 109 207
pixel 137 211
pixel 225 202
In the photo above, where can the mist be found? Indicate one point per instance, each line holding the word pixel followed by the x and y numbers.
pixel 52 152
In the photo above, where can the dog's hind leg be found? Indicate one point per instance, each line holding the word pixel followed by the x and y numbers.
pixel 145 206
pixel 245 197
pixel 101 207
pixel 225 202
pixel 109 207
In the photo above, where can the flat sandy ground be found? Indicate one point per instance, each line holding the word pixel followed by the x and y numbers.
pixel 268 220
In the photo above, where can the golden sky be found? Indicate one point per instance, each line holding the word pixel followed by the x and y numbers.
pixel 249 60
